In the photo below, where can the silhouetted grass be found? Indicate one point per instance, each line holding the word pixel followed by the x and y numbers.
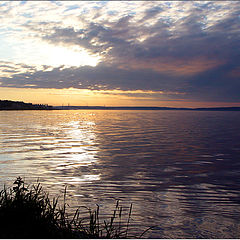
pixel 28 212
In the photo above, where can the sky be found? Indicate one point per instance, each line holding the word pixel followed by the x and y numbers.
pixel 121 53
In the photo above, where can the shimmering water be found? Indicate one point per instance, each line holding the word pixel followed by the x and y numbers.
pixel 180 169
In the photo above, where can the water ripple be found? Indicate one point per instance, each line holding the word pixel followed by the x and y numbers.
pixel 180 169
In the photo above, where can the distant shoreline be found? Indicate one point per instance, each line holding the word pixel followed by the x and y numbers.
pixel 17 105
pixel 143 108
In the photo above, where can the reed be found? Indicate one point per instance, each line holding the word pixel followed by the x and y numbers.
pixel 28 212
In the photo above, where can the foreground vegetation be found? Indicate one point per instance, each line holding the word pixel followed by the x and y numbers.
pixel 28 212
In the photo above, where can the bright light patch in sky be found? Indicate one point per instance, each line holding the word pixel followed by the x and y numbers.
pixel 56 56
pixel 35 52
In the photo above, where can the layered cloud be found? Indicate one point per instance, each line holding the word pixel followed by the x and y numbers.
pixel 183 50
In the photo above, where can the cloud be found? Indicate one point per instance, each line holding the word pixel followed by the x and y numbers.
pixel 170 47
pixel 185 39
pixel 100 77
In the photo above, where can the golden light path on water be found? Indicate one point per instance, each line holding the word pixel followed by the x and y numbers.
pixel 71 144
pixel 78 154
pixel 180 169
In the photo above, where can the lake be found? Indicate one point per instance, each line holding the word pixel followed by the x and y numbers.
pixel 180 169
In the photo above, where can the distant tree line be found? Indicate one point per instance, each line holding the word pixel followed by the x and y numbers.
pixel 17 105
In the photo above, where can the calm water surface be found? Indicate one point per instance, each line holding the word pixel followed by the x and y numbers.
pixel 180 169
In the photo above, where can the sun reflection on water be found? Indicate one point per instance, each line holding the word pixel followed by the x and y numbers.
pixel 57 149
pixel 81 151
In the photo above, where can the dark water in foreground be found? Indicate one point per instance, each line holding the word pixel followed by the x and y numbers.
pixel 180 169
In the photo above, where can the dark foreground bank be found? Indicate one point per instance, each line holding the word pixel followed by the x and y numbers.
pixel 27 212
